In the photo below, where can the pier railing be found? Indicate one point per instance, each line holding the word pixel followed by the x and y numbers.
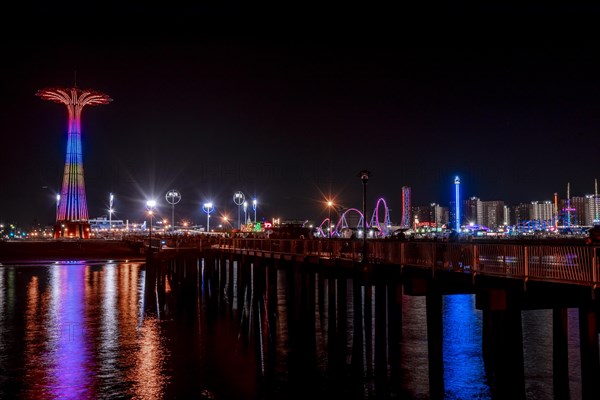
pixel 565 263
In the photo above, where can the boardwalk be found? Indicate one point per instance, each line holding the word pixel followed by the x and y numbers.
pixel 506 278
pixel 570 263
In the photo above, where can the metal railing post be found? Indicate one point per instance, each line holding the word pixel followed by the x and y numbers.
pixel 475 259
pixel 402 262
pixel 526 263
pixel 594 268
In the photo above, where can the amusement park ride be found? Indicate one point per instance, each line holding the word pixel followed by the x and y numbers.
pixel 378 226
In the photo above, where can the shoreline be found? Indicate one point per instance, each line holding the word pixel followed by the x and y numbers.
pixel 36 252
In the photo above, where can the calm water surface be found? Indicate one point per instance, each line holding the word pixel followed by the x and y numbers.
pixel 80 330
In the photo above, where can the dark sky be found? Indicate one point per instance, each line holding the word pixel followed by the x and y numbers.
pixel 290 109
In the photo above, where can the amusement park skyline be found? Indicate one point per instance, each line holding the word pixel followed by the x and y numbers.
pixel 291 117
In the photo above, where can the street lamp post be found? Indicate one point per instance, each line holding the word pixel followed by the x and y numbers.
pixel 57 204
pixel 254 203
pixel 150 204
pixel 208 208
pixel 173 197
pixel 245 212
pixel 238 199
pixel 364 177
pixel 110 211
pixel 329 205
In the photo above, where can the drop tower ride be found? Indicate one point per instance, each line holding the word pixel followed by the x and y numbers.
pixel 72 217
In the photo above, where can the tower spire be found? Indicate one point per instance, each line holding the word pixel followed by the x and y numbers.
pixel 568 204
pixel 596 201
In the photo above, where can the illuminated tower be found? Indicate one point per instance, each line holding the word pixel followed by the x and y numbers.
pixel 568 208
pixel 72 216
pixel 457 200
pixel 555 210
pixel 596 220
pixel 406 207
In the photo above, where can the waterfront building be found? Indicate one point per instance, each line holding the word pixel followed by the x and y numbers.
pixel 104 224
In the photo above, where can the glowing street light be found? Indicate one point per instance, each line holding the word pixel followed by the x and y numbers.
pixel 254 203
pixel 208 208
pixel 245 212
pixel 226 220
pixel 150 205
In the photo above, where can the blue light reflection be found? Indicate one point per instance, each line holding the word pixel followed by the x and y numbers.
pixel 464 374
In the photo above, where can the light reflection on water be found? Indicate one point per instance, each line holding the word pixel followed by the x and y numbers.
pixel 70 331
pixel 464 372
pixel 78 331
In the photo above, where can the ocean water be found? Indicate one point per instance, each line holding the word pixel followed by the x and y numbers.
pixel 101 330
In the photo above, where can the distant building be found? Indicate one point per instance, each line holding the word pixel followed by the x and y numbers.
pixel 104 224
pixel 441 215
pixel 506 214
pixel 484 213
pixel 592 213
pixel 433 215
pixel 535 215
pixel 422 214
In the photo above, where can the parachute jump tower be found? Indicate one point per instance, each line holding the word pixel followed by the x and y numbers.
pixel 72 218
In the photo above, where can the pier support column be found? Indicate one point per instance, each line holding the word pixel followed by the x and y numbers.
pixel 335 362
pixel 560 356
pixel 502 342
pixel 381 344
pixel 341 333
pixel 368 329
pixel 150 284
pixel 394 318
pixel 590 364
pixel 271 293
pixel 487 343
pixel 435 339
pixel 509 370
pixel 358 361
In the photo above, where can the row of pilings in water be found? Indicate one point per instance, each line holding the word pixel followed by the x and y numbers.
pixel 327 306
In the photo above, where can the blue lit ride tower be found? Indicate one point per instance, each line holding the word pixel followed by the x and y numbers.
pixel 72 219
pixel 457 195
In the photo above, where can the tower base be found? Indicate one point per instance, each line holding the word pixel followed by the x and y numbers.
pixel 72 230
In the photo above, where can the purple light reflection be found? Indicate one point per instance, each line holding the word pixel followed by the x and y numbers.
pixel 69 355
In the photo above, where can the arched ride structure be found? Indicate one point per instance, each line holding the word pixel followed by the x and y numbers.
pixel 325 224
pixel 383 228
pixel 343 222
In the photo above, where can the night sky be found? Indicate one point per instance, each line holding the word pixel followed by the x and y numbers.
pixel 290 110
